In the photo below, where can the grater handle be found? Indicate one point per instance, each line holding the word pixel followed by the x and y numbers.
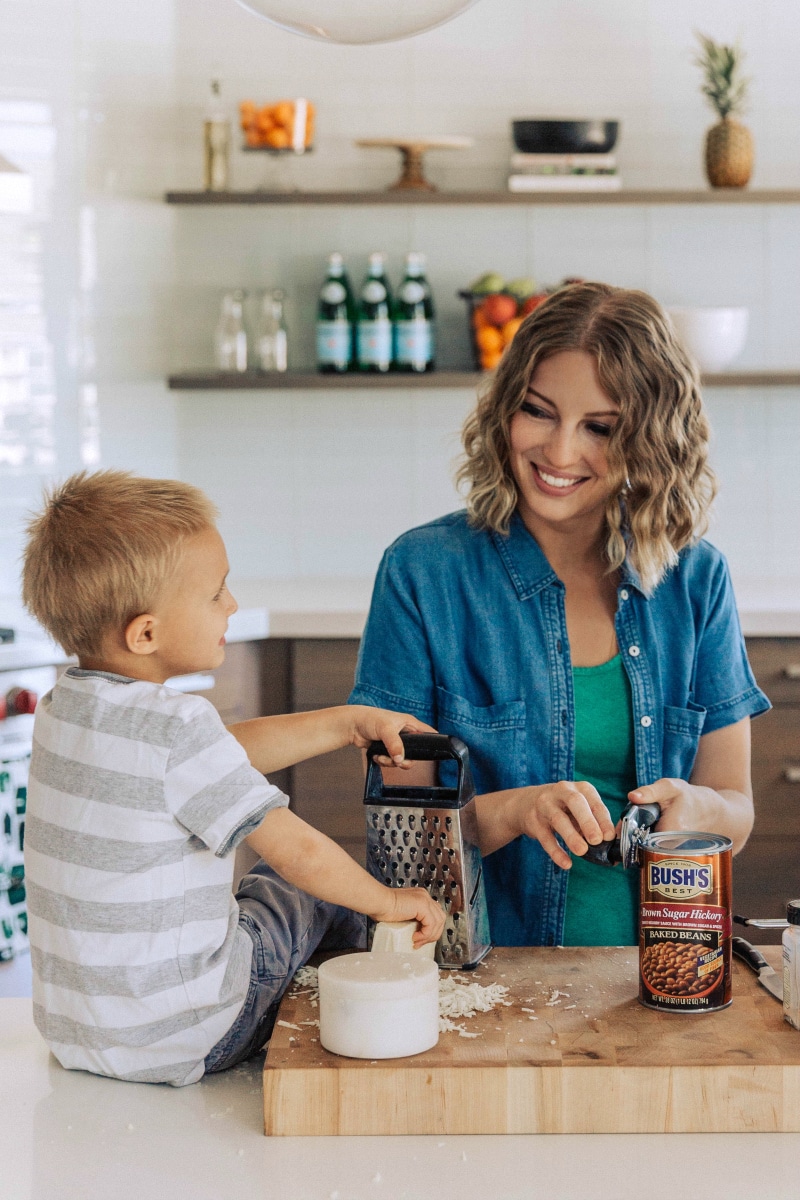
pixel 423 747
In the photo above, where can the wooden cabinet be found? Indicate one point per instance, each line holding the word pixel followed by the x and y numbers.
pixel 328 791
pixel 767 872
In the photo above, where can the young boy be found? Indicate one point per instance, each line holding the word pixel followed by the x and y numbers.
pixel 145 967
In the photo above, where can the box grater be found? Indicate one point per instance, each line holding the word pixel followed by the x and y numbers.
pixel 427 837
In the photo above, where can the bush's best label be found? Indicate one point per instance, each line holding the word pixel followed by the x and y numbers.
pixel 680 878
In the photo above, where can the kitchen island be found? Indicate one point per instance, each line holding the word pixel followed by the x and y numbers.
pixel 73 1136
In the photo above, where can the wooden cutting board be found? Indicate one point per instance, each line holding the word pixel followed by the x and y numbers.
pixel 594 1062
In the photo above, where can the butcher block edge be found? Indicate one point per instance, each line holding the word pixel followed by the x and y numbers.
pixel 603 1065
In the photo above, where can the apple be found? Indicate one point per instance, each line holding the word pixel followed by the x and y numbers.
pixel 499 308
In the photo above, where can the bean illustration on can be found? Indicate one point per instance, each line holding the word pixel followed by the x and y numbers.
pixel 685 922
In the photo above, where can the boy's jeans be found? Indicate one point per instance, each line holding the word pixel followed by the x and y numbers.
pixel 286 927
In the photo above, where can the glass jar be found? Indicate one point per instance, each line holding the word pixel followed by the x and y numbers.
pixel 791 965
pixel 272 342
pixel 230 341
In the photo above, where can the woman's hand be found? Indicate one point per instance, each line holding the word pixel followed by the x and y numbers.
pixel 574 811
pixel 381 725
pixel 412 904
pixel 680 803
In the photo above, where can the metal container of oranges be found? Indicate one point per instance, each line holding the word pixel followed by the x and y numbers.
pixel 494 318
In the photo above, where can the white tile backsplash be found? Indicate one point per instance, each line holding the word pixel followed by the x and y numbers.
pixel 104 289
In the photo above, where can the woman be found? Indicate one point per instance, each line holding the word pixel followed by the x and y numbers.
pixel 570 626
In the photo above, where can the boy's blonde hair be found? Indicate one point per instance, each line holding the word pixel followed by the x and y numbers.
pixel 102 550
pixel 661 483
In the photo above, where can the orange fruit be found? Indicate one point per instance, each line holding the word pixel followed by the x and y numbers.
pixel 489 339
pixel 252 137
pixel 278 138
pixel 283 113
pixel 510 328
pixel 490 360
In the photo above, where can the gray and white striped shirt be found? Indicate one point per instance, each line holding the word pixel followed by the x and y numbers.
pixel 137 797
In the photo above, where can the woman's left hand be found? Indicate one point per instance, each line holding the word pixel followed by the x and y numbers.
pixel 680 803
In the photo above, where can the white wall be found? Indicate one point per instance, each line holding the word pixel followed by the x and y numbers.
pixel 105 288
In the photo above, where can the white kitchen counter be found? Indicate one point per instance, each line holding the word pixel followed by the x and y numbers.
pixel 73 1136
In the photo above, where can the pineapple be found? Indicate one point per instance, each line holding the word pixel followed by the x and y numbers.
pixel 729 144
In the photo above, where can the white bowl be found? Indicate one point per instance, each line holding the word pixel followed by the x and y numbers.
pixel 713 336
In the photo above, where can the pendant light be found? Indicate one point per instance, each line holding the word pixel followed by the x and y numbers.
pixel 358 21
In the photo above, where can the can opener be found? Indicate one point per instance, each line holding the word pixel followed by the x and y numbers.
pixel 637 821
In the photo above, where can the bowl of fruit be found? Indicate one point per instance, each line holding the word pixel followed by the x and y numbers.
pixel 284 127
pixel 496 310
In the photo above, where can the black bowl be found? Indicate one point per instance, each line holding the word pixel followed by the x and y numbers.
pixel 564 137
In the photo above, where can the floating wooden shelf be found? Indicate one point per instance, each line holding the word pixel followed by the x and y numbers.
pixel 630 196
pixel 312 380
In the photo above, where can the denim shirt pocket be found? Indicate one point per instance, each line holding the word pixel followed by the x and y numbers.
pixel 682 730
pixel 495 735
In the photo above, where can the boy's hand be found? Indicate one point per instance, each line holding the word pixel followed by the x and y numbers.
pixel 413 904
pixel 381 725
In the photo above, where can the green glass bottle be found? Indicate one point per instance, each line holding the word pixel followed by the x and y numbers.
pixel 414 319
pixel 374 339
pixel 336 315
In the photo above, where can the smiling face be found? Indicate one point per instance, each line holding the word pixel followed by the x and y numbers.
pixel 192 616
pixel 558 445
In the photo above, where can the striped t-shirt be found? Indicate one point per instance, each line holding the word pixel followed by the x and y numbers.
pixel 138 796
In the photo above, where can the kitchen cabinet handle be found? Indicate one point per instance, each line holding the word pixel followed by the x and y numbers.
pixel 792 774
pixel 792 670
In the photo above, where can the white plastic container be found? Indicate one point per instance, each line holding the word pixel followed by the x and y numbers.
pixel 715 337
pixel 378 1005
pixel 791 965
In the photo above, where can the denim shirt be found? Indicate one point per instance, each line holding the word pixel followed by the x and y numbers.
pixel 467 630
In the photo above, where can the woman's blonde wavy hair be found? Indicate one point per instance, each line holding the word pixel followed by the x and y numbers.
pixel 661 484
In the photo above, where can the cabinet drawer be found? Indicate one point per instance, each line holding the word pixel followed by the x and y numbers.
pixel 323 671
pixel 765 875
pixel 776 665
pixel 776 772
pixel 328 793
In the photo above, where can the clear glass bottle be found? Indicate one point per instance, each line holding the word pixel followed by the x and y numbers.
pixel 413 319
pixel 791 965
pixel 374 337
pixel 230 341
pixel 272 341
pixel 336 315
pixel 216 143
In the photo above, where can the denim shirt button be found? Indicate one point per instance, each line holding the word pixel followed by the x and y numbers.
pixel 563 716
pixel 647 722
pixel 634 651
pixel 623 594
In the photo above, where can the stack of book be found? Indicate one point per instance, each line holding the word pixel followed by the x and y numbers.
pixel 564 173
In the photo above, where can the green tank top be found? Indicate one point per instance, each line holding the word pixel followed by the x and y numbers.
pixel 602 902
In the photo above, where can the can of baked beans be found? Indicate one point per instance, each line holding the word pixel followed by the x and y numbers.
pixel 685 922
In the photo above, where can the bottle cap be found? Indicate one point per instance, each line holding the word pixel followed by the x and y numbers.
pixel 335 259
pixel 377 259
pixel 793 912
